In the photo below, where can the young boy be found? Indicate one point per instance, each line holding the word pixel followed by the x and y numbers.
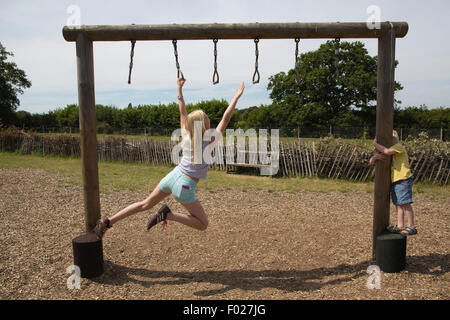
pixel 401 183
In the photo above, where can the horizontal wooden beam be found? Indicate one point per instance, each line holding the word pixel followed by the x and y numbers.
pixel 234 31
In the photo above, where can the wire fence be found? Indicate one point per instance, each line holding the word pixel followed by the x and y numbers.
pixel 330 158
pixel 441 134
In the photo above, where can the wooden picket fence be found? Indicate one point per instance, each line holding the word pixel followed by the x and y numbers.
pixel 296 159
pixel 352 162
pixel 337 161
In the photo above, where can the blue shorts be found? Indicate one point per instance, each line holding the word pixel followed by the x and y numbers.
pixel 179 185
pixel 401 191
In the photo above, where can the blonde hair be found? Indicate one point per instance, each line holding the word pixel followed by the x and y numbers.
pixel 194 116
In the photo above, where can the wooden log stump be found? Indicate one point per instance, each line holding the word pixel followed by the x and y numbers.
pixel 88 255
pixel 391 252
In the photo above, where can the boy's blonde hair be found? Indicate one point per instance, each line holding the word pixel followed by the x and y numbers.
pixel 194 116
pixel 395 136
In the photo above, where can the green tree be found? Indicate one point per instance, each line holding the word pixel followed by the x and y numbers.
pixel 12 83
pixel 320 97
pixel 24 119
pixel 104 114
pixel 422 117
pixel 68 116
pixel 440 117
pixel 213 108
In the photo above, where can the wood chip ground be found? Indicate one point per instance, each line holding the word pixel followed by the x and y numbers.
pixel 259 245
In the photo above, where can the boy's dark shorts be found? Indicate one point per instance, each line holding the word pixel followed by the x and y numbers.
pixel 401 191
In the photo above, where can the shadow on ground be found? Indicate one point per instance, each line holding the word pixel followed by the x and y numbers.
pixel 253 280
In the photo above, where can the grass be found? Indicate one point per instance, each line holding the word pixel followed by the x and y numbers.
pixel 113 176
pixel 117 176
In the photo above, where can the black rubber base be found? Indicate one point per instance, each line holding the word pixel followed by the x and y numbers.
pixel 390 252
pixel 88 255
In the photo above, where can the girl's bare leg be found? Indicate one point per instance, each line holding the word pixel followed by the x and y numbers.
pixel 197 218
pixel 153 199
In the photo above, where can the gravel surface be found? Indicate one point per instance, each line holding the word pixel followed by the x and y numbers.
pixel 259 245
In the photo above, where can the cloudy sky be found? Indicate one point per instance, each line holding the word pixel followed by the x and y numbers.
pixel 32 30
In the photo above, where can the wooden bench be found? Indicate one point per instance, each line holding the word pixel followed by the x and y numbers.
pixel 251 165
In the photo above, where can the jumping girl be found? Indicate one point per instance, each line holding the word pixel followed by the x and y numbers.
pixel 182 181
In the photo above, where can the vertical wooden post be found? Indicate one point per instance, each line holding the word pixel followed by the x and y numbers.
pixel 384 127
pixel 88 137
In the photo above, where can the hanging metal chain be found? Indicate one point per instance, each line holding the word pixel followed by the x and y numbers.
pixel 174 42
pixel 256 62
pixel 215 74
pixel 297 75
pixel 133 43
pixel 336 54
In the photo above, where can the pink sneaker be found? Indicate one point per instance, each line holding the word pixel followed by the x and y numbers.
pixel 160 216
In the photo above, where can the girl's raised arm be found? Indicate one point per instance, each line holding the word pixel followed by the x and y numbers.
pixel 181 104
pixel 229 112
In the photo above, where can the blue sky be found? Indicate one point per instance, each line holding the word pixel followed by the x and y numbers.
pixel 32 30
